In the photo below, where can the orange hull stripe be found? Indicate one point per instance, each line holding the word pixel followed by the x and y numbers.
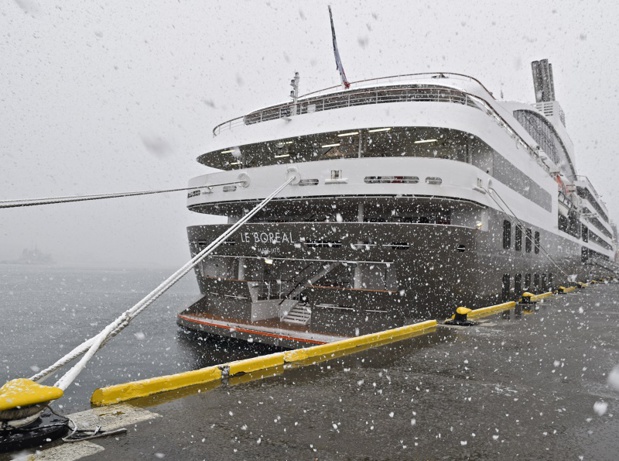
pixel 254 332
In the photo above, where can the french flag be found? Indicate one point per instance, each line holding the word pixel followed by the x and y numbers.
pixel 338 60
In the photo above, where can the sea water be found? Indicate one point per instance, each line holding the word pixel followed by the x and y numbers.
pixel 45 311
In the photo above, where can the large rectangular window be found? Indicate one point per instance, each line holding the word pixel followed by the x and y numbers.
pixel 507 234
pixel 528 240
pixel 584 254
pixel 585 233
pixel 506 286
pixel 536 242
pixel 518 284
pixel 518 242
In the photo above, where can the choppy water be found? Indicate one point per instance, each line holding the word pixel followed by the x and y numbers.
pixel 47 311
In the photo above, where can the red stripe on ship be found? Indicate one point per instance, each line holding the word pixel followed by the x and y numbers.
pixel 255 332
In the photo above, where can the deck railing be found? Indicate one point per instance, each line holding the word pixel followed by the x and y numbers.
pixel 367 96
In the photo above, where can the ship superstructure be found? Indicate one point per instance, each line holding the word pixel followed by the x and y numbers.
pixel 411 195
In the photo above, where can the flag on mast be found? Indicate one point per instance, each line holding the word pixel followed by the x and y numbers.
pixel 338 60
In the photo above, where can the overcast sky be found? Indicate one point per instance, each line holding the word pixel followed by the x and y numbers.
pixel 123 96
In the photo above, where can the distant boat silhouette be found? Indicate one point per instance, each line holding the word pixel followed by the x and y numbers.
pixel 34 257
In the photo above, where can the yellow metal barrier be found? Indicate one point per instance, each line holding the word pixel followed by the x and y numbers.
pixel 297 355
pixel 263 362
pixel 485 311
pixel 243 370
pixel 133 390
pixel 541 296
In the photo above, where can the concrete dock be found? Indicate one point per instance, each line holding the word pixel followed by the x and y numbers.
pixel 532 386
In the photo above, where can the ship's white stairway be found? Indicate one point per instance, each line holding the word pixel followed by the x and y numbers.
pixel 298 313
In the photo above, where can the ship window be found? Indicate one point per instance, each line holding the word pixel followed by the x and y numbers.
pixel 507 234
pixel 584 254
pixel 545 135
pixel 527 242
pixel 398 245
pixel 419 142
pixel 585 233
pixel 536 242
pixel 391 179
pixel 563 223
pixel 517 180
pixel 536 282
pixel 417 214
pixel 527 282
pixel 336 174
pixel 518 242
pixel 323 244
pixel 550 281
pixel 372 276
pixel 544 282
pixel 518 284
pixel 506 286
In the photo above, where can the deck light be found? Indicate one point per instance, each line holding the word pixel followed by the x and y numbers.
pixel 282 156
pixel 331 145
pixel 235 163
pixel 268 261
pixel 423 141
pixel 229 151
pixel 376 130
pixel 350 133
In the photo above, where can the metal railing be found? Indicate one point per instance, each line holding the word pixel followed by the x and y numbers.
pixel 366 96
pixel 386 94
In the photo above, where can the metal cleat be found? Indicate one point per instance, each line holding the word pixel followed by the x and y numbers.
pixel 460 318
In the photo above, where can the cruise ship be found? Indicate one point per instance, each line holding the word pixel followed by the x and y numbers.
pixel 410 195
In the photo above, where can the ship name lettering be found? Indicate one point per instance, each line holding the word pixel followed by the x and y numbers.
pixel 266 237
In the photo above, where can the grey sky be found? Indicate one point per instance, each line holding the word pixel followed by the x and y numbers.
pixel 123 95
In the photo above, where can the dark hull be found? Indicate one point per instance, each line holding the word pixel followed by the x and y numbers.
pixel 410 272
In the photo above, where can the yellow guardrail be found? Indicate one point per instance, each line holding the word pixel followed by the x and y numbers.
pixel 133 390
pixel 352 343
pixel 541 296
pixel 485 311
pixel 250 369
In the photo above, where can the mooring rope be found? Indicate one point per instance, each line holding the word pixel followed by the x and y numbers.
pixel 89 347
pixel 84 198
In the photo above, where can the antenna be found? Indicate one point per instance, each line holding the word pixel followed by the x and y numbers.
pixel 294 93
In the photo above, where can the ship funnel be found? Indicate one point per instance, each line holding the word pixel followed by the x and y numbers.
pixel 543 81
pixel 545 90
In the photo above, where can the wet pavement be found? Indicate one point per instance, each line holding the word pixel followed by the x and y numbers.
pixel 518 388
